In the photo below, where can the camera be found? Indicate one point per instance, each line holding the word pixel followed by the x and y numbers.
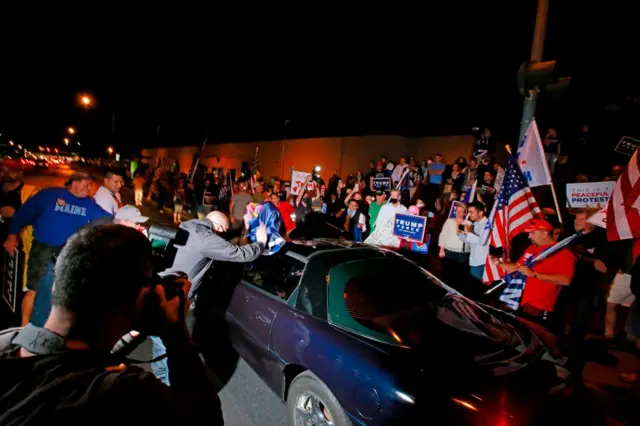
pixel 172 287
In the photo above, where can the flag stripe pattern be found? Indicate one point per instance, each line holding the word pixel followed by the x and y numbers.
pixel 514 208
pixel 623 211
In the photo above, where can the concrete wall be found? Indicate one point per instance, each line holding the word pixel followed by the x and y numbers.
pixel 346 154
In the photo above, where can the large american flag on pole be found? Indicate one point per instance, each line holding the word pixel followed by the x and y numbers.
pixel 514 208
pixel 253 178
pixel 623 211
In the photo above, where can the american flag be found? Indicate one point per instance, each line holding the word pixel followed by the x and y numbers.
pixel 226 191
pixel 514 208
pixel 623 211
pixel 253 172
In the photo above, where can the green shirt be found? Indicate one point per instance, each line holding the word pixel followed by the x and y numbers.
pixel 374 209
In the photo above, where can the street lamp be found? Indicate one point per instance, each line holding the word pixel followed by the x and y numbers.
pixel 71 130
pixel 86 100
pixel 66 141
pixel 110 150
pixel 11 143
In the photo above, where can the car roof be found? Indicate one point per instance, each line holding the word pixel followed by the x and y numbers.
pixel 307 248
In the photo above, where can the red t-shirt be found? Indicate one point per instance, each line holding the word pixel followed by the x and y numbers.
pixel 286 210
pixel 541 294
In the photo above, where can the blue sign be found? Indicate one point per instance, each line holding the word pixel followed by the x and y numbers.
pixel 410 227
pixel 381 184
pixel 422 248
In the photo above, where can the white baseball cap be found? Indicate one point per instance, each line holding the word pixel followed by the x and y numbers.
pixel 130 213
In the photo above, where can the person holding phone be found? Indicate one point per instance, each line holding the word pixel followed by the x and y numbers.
pixel 453 248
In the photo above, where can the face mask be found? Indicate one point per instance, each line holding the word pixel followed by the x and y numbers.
pixel 393 200
pixel 351 213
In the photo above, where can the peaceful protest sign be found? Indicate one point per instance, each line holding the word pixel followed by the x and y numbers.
pixel 410 227
pixel 297 180
pixel 627 146
pixel 381 184
pixel 590 194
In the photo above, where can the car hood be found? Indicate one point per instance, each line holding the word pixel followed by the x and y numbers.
pixel 457 331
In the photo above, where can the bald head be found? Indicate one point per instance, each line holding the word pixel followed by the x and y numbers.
pixel 219 220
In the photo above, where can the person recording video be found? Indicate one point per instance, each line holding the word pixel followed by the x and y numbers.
pixel 105 287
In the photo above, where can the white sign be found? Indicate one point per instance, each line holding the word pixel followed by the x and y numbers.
pixel 599 219
pixel 383 235
pixel 590 194
pixel 297 180
pixel 499 178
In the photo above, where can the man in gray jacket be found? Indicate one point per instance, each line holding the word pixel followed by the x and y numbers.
pixel 196 256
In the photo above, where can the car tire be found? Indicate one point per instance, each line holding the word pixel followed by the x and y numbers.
pixel 308 399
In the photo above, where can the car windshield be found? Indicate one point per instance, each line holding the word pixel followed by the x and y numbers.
pixel 400 303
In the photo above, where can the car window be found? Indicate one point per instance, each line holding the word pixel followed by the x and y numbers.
pixel 278 275
pixel 363 295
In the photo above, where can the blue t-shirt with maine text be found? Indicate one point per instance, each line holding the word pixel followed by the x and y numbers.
pixel 55 214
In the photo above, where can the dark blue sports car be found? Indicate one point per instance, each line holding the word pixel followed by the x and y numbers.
pixel 350 334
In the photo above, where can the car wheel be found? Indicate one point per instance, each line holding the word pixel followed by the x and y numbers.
pixel 311 403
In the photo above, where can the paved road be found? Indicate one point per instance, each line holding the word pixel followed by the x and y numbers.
pixel 247 401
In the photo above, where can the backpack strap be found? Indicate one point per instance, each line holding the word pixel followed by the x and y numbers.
pixel 7 347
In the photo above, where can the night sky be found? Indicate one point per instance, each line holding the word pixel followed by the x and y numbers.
pixel 440 72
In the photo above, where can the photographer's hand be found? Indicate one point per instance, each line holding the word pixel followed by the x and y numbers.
pixel 170 309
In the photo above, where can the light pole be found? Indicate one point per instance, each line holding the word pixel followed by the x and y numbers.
pixel 537 47
pixel 71 130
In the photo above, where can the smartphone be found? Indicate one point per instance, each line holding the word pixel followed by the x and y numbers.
pixel 461 227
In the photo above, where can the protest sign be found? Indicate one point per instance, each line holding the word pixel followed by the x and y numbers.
pixel 381 184
pixel 10 279
pixel 297 180
pixel 627 146
pixel 454 206
pixel 590 194
pixel 383 235
pixel 599 219
pixel 410 227
pixel 422 248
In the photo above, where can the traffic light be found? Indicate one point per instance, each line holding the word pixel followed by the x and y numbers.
pixel 541 76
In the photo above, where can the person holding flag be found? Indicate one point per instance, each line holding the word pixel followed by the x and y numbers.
pixel 544 279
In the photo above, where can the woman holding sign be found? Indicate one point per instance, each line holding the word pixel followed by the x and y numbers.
pixel 451 247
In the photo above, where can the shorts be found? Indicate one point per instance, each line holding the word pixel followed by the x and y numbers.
pixel 620 291
pixel 39 258
pixel 177 208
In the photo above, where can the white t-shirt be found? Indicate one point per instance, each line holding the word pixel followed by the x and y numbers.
pixel 107 200
pixel 388 211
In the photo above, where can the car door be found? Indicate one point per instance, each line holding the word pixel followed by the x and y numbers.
pixel 261 293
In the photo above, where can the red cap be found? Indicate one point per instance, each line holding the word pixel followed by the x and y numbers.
pixel 538 225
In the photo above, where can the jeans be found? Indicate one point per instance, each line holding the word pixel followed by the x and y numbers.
pixel 477 271
pixel 42 302
pixel 160 368
pixel 456 256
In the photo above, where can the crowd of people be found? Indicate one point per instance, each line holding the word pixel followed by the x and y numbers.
pixel 75 242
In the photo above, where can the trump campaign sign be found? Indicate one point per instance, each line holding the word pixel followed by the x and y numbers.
pixel 590 194
pixel 381 184
pixel 410 227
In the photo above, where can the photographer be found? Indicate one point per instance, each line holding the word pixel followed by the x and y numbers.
pixel 65 371
pixel 196 257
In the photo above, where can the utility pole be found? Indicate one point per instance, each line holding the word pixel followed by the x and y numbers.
pixel 537 47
